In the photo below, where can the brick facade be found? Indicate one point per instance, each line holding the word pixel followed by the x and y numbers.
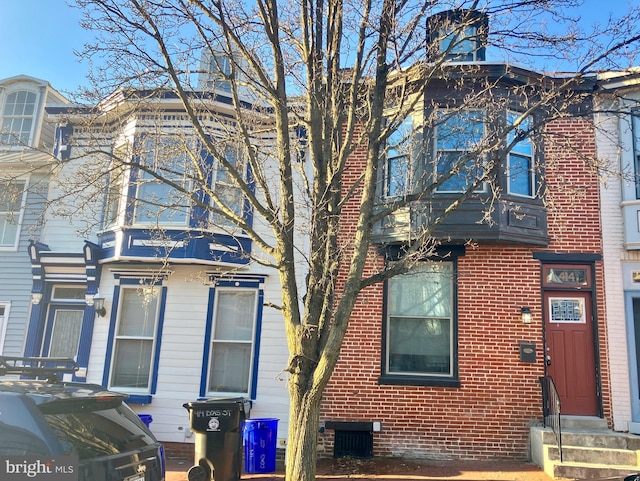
pixel 499 396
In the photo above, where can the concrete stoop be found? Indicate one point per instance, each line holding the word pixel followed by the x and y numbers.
pixel 589 450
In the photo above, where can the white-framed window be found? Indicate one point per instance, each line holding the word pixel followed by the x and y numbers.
pixel 232 341
pixel 420 322
pixel 158 202
pixel 18 114
pixel 12 198
pixel 135 338
pixel 520 160
pixel 457 136
pixel 5 307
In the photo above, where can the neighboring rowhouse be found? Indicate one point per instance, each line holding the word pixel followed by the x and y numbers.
pixel 446 360
pixel 618 143
pixel 26 161
pixel 150 292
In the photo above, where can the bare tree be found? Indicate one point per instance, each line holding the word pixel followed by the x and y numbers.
pixel 308 88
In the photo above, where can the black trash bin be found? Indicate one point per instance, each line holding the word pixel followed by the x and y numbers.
pixel 218 444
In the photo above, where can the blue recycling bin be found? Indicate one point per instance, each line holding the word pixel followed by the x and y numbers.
pixel 260 437
pixel 146 419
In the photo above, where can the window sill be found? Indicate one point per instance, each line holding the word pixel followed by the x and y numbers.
pixel 396 380
pixel 139 399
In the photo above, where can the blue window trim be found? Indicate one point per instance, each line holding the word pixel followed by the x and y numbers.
pixel 135 398
pixel 247 281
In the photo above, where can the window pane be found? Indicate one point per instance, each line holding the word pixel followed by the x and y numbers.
pixel 426 291
pixel 132 364
pixel 420 326
pixel 463 50
pixel 400 151
pixel 235 314
pixel 66 333
pixel 68 293
pixel 157 201
pixel 11 195
pixel 520 175
pixel 234 320
pixel 18 117
pixel 138 312
pixel 420 345
pixel 230 367
pixel 457 136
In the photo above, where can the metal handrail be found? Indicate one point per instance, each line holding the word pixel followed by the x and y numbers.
pixel 551 409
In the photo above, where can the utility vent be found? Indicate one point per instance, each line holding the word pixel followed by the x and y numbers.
pixel 353 439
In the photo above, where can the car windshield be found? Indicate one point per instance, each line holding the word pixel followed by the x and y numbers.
pixel 91 430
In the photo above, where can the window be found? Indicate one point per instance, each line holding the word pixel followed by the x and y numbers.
pixel 459 45
pixel 224 186
pixel 17 118
pixel 400 150
pixel 457 136
pixel 420 322
pixel 635 119
pixel 217 70
pixel 4 320
pixel 134 341
pixel 158 202
pixel 231 357
pixel 114 193
pixel 520 161
pixel 12 195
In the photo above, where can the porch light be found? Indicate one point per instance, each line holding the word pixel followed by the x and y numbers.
pixel 526 315
pixel 98 304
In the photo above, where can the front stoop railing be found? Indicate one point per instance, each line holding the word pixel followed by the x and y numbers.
pixel 551 409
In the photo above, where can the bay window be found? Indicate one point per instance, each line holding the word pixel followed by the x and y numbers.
pixel 420 336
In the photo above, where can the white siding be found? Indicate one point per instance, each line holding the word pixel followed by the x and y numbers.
pixel 180 363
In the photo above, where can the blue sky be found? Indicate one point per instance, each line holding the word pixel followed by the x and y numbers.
pixel 38 38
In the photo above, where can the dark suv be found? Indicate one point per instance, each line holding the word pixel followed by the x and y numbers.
pixel 81 422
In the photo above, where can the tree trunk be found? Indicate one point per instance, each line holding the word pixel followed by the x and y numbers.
pixel 304 416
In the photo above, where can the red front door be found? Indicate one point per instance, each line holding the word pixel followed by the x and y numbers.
pixel 570 351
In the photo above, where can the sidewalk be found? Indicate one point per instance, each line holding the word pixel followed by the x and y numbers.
pixel 396 470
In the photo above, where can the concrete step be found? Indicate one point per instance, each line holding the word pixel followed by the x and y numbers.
pixel 587 453
pixel 590 455
pixel 590 423
pixel 583 471
pixel 594 439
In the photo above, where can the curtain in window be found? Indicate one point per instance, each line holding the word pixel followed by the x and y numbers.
pixel 65 337
pixel 133 352
pixel 232 344
pixel 420 321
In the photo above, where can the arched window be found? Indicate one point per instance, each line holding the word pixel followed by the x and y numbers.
pixel 17 118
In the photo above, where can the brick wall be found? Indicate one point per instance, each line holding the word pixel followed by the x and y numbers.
pixel 488 416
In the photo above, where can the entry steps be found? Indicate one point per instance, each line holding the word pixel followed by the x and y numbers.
pixel 589 450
